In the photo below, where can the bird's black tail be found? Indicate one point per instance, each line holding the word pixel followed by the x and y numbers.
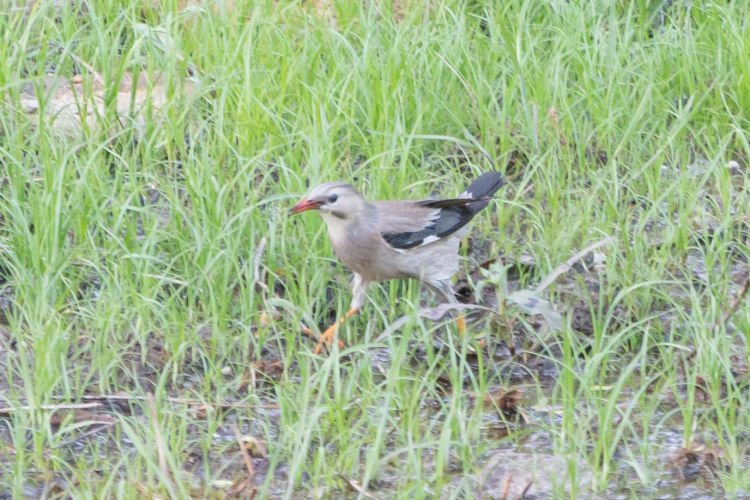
pixel 485 185
pixel 475 197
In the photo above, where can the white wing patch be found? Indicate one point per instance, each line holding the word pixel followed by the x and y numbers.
pixel 429 239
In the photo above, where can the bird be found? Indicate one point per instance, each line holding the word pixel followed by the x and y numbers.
pixel 394 239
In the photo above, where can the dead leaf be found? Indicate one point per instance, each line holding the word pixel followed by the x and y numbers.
pixel 270 369
pixel 201 412
pixel 552 116
pixel 532 303
pixel 505 400
pixel 257 447
pixel 698 461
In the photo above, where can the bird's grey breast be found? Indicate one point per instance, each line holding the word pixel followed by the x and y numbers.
pixel 357 246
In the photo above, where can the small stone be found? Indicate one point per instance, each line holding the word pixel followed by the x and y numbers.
pixel 734 167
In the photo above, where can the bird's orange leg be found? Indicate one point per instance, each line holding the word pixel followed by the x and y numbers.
pixel 461 324
pixel 328 335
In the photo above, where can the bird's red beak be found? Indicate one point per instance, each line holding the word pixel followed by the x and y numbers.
pixel 303 205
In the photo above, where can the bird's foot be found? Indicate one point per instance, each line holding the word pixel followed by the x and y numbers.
pixel 326 338
pixel 461 324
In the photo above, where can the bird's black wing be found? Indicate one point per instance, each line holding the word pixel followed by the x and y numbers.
pixel 452 215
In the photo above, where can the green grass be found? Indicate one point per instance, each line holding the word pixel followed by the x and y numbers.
pixel 155 255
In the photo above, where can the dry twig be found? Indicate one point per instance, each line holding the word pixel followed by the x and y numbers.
pixel 5 412
pixel 245 454
pixel 181 401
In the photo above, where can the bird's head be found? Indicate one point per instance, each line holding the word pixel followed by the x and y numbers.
pixel 333 200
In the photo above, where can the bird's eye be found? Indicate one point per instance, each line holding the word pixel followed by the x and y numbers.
pixel 332 198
